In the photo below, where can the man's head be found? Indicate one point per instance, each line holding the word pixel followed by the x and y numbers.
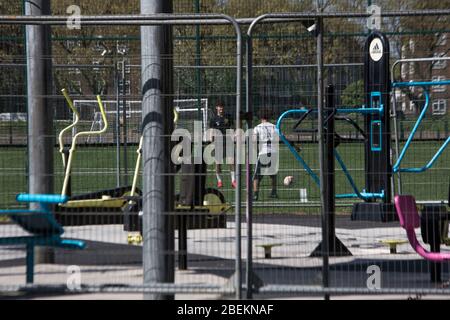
pixel 265 114
pixel 220 108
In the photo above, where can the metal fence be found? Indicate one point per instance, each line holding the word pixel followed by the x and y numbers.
pixel 265 247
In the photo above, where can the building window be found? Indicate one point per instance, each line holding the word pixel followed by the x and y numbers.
pixel 439 107
pixel 75 87
pixel 100 87
pixel 96 62
pixel 412 68
pixel 440 64
pixel 404 70
pixel 442 40
pixel 127 87
pixel 125 63
pixel 438 88
pixel 412 45
pixel 127 66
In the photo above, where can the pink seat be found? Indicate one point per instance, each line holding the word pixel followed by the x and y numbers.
pixel 406 208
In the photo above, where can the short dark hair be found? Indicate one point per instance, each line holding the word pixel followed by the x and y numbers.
pixel 265 113
pixel 219 104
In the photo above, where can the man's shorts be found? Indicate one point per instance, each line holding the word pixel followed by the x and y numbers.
pixel 268 167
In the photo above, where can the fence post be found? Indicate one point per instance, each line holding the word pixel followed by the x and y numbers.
pixel 323 185
pixel 39 109
pixel 157 122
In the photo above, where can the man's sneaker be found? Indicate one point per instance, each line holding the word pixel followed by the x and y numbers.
pixel 274 195
pixel 234 184
pixel 219 184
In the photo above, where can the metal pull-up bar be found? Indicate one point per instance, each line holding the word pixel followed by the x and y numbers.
pixel 425 85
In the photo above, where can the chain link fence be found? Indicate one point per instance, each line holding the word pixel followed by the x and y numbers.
pixel 286 226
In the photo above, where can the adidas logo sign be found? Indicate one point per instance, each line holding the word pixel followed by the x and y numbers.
pixel 376 49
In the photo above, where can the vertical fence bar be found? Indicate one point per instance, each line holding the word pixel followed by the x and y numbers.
pixel 248 168
pixel 322 160
pixel 238 262
pixel 157 234
pixel 119 83
pixel 39 109
pixel 124 121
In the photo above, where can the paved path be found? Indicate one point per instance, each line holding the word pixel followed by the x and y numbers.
pixel 110 260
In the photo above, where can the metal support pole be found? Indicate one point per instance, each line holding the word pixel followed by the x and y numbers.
pixel 198 62
pixel 157 70
pixel 119 81
pixel 335 246
pixel 182 242
pixel 323 185
pixel 40 112
pixel 30 262
pixel 330 172
pixel 248 168
pixel 124 122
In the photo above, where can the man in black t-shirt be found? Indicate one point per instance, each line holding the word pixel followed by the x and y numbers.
pixel 222 122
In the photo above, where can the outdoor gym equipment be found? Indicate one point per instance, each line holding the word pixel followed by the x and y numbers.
pixel 376 135
pixel 196 207
pixel 431 225
pixel 425 85
pixel 110 200
pixel 45 230
pixel 378 192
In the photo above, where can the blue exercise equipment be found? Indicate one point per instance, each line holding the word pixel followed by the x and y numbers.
pixel 425 85
pixel 45 230
pixel 379 170
pixel 376 131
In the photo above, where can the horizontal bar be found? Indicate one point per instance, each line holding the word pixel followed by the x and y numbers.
pixel 226 37
pixel 420 83
pixel 349 290
pixel 415 60
pixel 360 110
pixel 429 164
pixel 281 66
pixel 196 289
pixel 121 288
pixel 196 19
pixel 22 212
pixel 364 195
pixel 33 240
pixel 42 198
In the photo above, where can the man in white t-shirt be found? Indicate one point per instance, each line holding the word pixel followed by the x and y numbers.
pixel 266 137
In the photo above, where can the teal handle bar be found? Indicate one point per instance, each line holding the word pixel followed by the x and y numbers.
pixel 424 84
pixel 362 195
pixel 42 198
pixel 289 145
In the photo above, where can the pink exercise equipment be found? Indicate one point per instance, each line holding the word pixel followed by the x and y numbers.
pixel 408 215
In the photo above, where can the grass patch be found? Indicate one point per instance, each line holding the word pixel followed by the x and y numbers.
pixel 95 169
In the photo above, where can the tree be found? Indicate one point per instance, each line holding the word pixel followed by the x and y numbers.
pixel 418 38
pixel 353 95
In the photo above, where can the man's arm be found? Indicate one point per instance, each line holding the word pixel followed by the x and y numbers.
pixel 230 121
pixel 212 123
